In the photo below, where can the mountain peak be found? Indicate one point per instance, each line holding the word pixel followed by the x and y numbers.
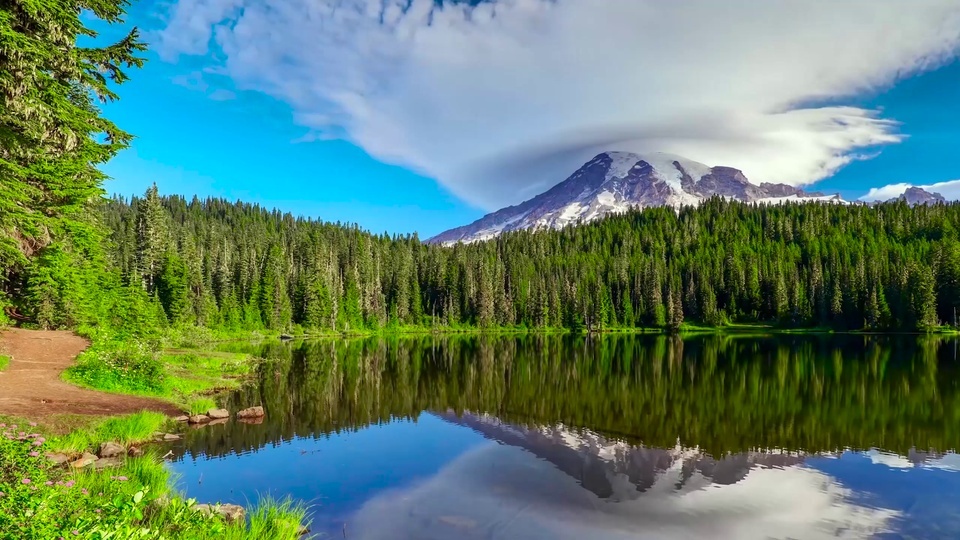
pixel 915 195
pixel 614 182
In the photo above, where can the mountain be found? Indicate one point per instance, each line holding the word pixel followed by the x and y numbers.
pixel 616 470
pixel 914 196
pixel 614 182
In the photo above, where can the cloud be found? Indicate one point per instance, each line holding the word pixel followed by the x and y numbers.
pixel 946 462
pixel 500 491
pixel 501 98
pixel 950 191
pixel 222 94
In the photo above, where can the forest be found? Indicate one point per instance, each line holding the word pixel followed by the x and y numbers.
pixel 72 258
pixel 239 267
pixel 233 265
pixel 719 393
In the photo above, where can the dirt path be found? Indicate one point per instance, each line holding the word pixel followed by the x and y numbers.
pixel 31 387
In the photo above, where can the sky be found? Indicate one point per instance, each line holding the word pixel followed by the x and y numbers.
pixel 422 115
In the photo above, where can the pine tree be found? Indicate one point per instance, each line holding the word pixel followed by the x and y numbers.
pixel 52 140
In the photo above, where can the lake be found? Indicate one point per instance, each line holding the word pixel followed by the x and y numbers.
pixel 615 437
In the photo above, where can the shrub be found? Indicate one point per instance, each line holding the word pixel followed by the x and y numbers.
pixel 130 367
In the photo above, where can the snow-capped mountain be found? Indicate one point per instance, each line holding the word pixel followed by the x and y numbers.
pixel 914 196
pixel 615 182
pixel 619 471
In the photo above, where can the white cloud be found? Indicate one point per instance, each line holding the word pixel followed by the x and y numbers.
pixel 950 191
pixel 946 462
pixel 499 100
pixel 501 491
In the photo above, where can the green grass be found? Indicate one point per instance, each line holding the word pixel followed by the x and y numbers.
pixel 39 501
pixel 201 405
pixel 126 430
pixel 186 378
pixel 271 518
pixel 4 362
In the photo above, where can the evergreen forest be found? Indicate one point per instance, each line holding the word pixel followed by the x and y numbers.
pixel 238 266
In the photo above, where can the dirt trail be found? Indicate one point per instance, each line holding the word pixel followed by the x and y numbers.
pixel 31 387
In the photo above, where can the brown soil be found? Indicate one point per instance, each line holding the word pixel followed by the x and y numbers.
pixel 31 387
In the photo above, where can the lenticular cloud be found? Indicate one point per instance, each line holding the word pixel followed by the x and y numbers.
pixel 501 99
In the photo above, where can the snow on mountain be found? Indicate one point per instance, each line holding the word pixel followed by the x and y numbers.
pixel 616 470
pixel 614 182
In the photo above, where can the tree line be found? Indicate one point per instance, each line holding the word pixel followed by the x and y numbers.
pixel 239 266
pixel 722 394
pixel 70 258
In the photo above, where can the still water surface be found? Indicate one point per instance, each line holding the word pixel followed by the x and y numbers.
pixel 608 438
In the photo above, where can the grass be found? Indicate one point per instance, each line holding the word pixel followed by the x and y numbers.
pixel 40 501
pixel 4 362
pixel 201 406
pixel 126 430
pixel 186 378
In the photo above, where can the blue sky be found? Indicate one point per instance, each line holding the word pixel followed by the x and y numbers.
pixel 249 113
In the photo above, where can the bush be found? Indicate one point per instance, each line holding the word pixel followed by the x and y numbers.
pixel 130 367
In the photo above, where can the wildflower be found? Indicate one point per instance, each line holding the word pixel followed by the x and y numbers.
pixel 97 510
pixel 84 491
pixel 13 426
pixel 37 443
pixel 75 532
pixel 3 425
pixel 41 439
pixel 48 483
pixel 122 478
pixel 33 454
pixel 69 483
pixel 33 424
pixel 25 481
pixel 2 494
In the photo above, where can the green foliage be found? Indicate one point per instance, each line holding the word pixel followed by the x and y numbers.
pixel 39 502
pixel 719 393
pixel 128 366
pixel 134 428
pixel 888 267
pixel 4 362
pixel 201 405
pixel 52 139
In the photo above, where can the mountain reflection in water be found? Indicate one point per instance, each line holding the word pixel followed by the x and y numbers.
pixel 617 437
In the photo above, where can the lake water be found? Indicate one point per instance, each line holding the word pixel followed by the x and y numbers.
pixel 557 437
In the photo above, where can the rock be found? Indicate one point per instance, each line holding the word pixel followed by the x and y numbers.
pixel 218 413
pixel 230 512
pixel 168 437
pixel 198 419
pixel 250 420
pixel 111 449
pixel 57 458
pixel 182 418
pixel 135 451
pixel 107 462
pixel 85 460
pixel 251 412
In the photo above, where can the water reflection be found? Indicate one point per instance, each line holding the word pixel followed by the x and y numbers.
pixel 619 437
